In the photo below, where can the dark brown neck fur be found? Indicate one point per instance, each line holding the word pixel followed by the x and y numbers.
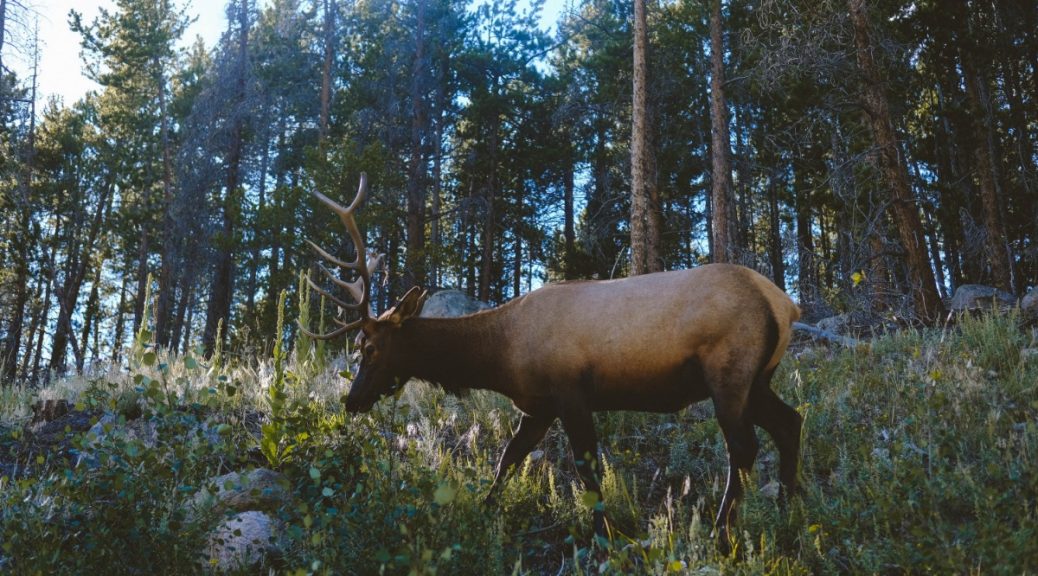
pixel 456 353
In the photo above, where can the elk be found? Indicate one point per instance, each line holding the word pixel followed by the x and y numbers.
pixel 656 342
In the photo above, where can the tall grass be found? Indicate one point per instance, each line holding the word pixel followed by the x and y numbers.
pixel 920 454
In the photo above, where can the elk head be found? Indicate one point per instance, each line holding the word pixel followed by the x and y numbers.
pixel 380 372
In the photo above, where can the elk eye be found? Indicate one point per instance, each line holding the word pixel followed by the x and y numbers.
pixel 369 350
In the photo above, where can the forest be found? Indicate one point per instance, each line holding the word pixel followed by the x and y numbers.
pixel 162 412
pixel 870 157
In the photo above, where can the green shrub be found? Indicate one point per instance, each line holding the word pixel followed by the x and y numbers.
pixel 918 456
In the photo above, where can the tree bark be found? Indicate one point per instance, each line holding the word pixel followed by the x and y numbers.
pixel 807 271
pixel 187 286
pixel 416 192
pixel 437 175
pixel 645 227
pixel 489 234
pixel 76 269
pixel 143 248
pixel 90 314
pixel 9 357
pixel 725 240
pixel 517 253
pixel 120 321
pixel 778 265
pixel 904 212
pixel 167 281
pixel 222 293
pixel 995 239
pixel 569 227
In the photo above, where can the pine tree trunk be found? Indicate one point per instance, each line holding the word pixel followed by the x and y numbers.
pixel 517 251
pixel 9 357
pixel 142 278
pixel 222 293
pixel 905 213
pixel 645 227
pixel 437 176
pixel 415 265
pixel 120 321
pixel 486 267
pixel 807 269
pixel 90 314
pixel 725 242
pixel 995 240
pixel 167 280
pixel 778 265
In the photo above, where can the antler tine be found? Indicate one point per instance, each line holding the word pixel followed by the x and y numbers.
pixel 330 296
pixel 333 334
pixel 360 288
pixel 327 256
pixel 351 286
pixel 346 215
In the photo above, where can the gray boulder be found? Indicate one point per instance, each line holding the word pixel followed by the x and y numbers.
pixel 109 427
pixel 839 324
pixel 450 304
pixel 259 489
pixel 980 297
pixel 1029 306
pixel 244 540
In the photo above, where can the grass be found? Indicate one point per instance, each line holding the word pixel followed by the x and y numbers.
pixel 920 455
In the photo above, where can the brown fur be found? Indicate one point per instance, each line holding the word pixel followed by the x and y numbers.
pixel 656 342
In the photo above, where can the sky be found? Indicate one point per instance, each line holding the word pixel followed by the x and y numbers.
pixel 61 69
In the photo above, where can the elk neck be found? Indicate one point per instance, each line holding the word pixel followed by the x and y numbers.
pixel 457 353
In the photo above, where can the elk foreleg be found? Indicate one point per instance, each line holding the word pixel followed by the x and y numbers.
pixel 531 431
pixel 580 427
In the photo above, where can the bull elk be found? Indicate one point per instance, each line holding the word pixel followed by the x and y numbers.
pixel 656 343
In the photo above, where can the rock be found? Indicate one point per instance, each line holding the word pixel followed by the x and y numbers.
pixel 979 297
pixel 1029 307
pixel 243 541
pixel 810 354
pixel 108 426
pixel 450 304
pixel 839 324
pixel 103 426
pixel 771 490
pixel 260 489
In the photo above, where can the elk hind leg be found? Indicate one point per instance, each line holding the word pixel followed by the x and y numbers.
pixel 741 441
pixel 782 423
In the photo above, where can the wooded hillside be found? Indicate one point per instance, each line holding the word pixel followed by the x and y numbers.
pixel 868 156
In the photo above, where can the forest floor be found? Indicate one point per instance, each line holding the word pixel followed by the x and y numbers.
pixel 920 454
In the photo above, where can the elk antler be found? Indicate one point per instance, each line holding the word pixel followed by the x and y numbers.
pixel 364 264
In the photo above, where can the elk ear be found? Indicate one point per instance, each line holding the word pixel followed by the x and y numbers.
pixel 409 306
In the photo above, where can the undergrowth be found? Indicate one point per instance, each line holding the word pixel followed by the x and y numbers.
pixel 920 454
